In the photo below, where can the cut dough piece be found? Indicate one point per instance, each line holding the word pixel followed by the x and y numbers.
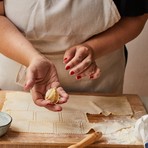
pixel 47 116
pixel 41 127
pixel 73 116
pixel 72 128
pixel 22 115
pixel 99 104
pixel 19 126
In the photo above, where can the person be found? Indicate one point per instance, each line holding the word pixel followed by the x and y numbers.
pixel 74 46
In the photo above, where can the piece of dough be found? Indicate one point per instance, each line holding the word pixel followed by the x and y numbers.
pixel 27 117
pixel 52 95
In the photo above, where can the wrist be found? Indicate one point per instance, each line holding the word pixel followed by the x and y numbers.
pixel 35 57
pixel 39 58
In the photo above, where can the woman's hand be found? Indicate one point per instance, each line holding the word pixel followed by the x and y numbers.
pixel 81 63
pixel 41 76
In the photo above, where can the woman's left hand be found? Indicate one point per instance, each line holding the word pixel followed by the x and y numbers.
pixel 81 63
pixel 42 75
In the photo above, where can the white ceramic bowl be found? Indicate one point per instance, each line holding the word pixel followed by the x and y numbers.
pixel 5 122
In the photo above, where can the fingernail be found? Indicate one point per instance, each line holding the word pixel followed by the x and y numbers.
pixel 25 86
pixel 78 77
pixel 65 59
pixel 91 77
pixel 67 67
pixel 72 73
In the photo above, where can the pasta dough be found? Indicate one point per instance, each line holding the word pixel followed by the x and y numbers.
pixel 28 117
pixel 52 95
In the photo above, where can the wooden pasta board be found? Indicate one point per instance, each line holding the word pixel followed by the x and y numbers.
pixel 29 140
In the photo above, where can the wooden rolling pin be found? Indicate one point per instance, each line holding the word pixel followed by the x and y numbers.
pixel 87 141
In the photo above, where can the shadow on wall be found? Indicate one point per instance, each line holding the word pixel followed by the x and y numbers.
pixel 136 76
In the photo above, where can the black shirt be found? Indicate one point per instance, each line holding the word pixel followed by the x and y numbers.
pixel 131 7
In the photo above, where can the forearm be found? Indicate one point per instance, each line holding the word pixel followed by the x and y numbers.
pixel 115 37
pixel 14 45
pixel 1 8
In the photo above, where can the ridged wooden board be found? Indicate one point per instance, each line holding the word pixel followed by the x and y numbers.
pixel 29 140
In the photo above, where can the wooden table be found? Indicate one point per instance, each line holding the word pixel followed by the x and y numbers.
pixel 28 140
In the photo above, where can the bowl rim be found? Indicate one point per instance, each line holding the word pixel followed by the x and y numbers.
pixel 6 114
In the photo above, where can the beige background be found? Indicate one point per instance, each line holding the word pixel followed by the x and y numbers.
pixel 136 76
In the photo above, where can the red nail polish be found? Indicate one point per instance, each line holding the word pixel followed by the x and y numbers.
pixel 91 77
pixel 68 67
pixel 65 59
pixel 72 73
pixel 78 77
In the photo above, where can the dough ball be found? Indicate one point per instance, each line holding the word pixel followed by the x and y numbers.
pixel 52 95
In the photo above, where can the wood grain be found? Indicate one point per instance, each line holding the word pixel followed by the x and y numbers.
pixel 29 140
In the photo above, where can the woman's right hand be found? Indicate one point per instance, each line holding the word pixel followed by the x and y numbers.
pixel 41 76
pixel 81 63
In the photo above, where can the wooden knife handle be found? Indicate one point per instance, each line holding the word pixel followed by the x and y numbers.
pixel 87 141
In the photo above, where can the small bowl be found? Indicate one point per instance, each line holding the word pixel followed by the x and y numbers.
pixel 5 122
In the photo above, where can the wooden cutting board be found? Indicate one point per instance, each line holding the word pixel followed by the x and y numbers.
pixel 28 140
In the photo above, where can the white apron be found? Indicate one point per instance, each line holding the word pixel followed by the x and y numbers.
pixel 53 26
